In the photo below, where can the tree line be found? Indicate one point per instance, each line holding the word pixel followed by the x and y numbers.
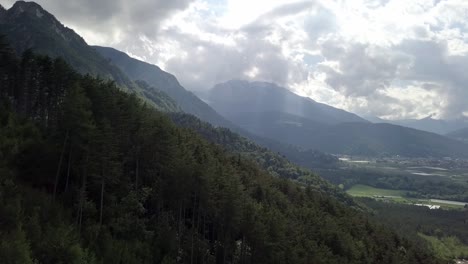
pixel 90 174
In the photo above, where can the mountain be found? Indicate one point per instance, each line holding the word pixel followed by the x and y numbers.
pixel 89 174
pixel 154 76
pixel 28 26
pixel 190 103
pixel 366 139
pixel 275 113
pixel 287 128
pixel 461 134
pixel 384 140
pixel 242 96
pixel 429 124
pixel 273 162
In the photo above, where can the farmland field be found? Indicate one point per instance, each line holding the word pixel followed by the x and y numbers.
pixel 362 190
pixel 399 196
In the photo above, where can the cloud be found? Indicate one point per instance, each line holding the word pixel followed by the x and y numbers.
pixel 427 67
pixel 362 69
pixel 255 51
pixel 390 58
pixel 114 21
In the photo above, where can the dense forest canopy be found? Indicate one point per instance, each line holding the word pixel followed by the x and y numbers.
pixel 90 174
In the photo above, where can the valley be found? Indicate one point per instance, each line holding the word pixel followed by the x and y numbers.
pixel 425 198
pixel 441 182
pixel 107 158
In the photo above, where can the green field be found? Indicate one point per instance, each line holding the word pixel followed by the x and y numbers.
pixel 398 196
pixel 361 190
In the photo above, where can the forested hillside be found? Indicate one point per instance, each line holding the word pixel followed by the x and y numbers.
pixel 45 35
pixel 89 174
pixel 166 82
pixel 272 162
pixel 28 27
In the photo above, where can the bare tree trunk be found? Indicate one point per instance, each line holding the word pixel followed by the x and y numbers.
pixel 224 250
pixel 57 175
pixel 193 227
pixel 198 230
pixel 203 232
pixel 68 169
pixel 179 223
pixel 137 171
pixel 82 194
pixel 102 200
pixel 242 250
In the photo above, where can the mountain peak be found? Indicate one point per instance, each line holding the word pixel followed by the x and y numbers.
pixel 27 13
pixel 238 96
pixel 429 117
pixel 30 8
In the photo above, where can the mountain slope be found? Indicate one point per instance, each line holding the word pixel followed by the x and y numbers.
pixel 28 26
pixel 154 76
pixel 439 126
pixel 365 139
pixel 272 112
pixel 191 104
pixel 270 161
pixel 242 96
pixel 384 139
pixel 45 35
pixel 461 134
pixel 94 176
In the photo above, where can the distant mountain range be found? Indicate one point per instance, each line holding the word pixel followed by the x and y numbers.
pixel 238 96
pixel 28 26
pixel 166 82
pixel 429 124
pixel 461 134
pixel 273 116
pixel 274 112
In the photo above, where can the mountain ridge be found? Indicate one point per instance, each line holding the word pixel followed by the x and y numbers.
pixel 55 45
pixel 460 134
pixel 29 27
pixel 240 95
pixel 95 171
pixel 290 126
pixel 153 75
pixel 429 124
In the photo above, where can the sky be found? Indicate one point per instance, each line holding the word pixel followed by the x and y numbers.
pixel 394 59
